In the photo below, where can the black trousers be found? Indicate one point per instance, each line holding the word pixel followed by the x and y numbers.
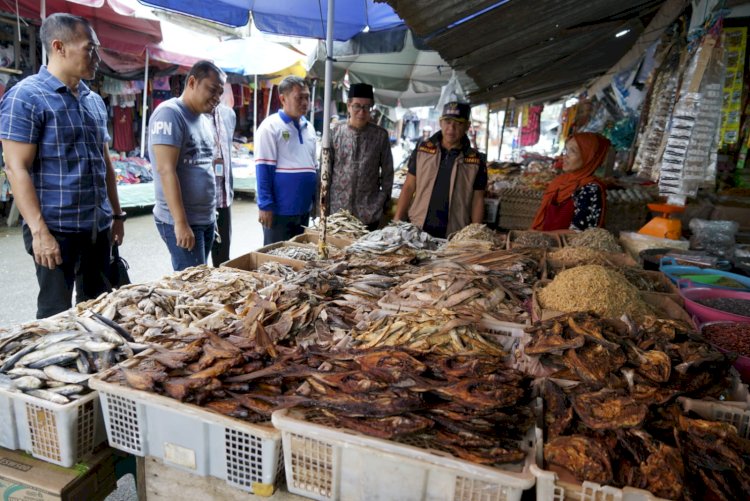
pixel 223 236
pixel 84 266
pixel 284 228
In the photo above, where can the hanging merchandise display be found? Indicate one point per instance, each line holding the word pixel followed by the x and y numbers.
pixel 660 106
pixel 735 42
pixel 689 158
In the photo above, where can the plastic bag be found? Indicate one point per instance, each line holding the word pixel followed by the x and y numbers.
pixel 715 237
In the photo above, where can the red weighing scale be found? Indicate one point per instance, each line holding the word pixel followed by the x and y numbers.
pixel 664 226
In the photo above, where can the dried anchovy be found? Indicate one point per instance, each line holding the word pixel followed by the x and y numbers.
pixel 534 239
pixel 733 305
pixel 593 288
pixel 295 252
pixel 474 232
pixel 595 238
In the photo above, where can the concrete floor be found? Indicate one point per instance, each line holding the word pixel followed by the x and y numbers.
pixel 143 249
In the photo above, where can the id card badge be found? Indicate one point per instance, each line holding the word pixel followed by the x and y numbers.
pixel 219 167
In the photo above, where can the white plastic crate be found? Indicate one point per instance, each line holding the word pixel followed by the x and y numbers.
pixel 549 486
pixel 59 434
pixel 328 463
pixel 188 437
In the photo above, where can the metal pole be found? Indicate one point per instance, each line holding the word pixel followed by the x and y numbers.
pixel 312 104
pixel 487 133
pixel 43 12
pixel 145 107
pixel 325 168
pixel 255 110
pixel 502 130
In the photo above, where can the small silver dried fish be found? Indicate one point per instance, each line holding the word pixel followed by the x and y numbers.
pixel 393 238
pixel 295 252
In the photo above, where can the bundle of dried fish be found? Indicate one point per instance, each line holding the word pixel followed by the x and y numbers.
pixel 595 238
pixel 394 238
pixel 434 331
pixel 155 311
pixel 57 364
pixel 618 423
pixel 517 270
pixel 347 225
pixel 534 239
pixel 277 269
pixel 297 252
pixel 593 288
pixel 455 286
pixel 472 407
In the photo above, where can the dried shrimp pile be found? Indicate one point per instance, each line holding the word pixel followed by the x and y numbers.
pixel 576 256
pixel 593 288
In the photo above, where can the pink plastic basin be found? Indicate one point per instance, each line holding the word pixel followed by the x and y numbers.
pixel 742 364
pixel 704 313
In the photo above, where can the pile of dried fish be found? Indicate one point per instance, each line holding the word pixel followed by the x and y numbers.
pixel 534 239
pixel 518 270
pixel 448 284
pixel 429 331
pixel 347 225
pixel 153 312
pixel 56 363
pixel 276 269
pixel 476 233
pixel 595 238
pixel 593 288
pixel 295 252
pixel 395 237
pixel 470 406
pixel 643 281
pixel 614 419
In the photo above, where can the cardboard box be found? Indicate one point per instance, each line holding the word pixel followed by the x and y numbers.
pixel 254 260
pixel 23 478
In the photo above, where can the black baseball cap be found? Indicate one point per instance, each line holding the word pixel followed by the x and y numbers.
pixel 454 110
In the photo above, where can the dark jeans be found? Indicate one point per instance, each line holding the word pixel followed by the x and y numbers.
pixel 183 258
pixel 220 248
pixel 284 228
pixel 84 263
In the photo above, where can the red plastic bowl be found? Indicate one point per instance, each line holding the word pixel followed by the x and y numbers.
pixel 704 313
pixel 742 364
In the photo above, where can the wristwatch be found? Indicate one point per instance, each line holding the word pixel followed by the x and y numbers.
pixel 122 216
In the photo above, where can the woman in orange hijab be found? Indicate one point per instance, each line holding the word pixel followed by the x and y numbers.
pixel 576 198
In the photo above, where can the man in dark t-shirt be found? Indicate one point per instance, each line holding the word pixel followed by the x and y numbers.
pixel 426 196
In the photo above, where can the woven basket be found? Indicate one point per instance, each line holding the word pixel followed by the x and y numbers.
pixel 518 207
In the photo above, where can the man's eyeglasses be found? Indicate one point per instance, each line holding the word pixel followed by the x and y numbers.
pixel 356 107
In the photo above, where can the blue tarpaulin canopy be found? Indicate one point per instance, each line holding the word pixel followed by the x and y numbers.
pixel 300 18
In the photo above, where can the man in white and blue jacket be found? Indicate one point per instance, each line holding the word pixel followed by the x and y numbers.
pixel 286 165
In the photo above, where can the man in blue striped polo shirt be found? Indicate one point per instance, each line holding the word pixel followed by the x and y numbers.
pixel 55 142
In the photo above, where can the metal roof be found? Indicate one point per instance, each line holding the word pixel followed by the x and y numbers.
pixel 530 50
